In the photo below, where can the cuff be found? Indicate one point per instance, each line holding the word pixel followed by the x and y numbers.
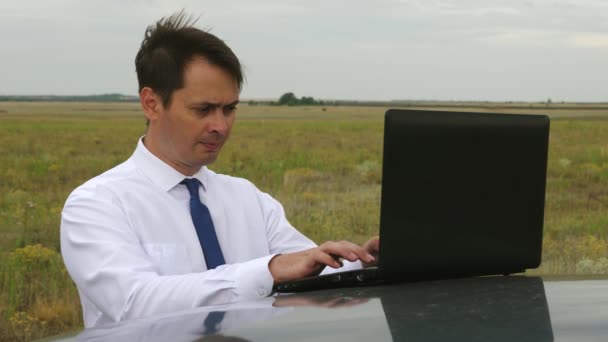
pixel 255 280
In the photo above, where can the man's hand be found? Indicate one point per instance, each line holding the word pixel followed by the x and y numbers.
pixel 310 262
pixel 372 246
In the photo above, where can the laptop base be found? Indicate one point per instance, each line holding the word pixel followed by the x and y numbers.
pixel 372 276
pixel 363 277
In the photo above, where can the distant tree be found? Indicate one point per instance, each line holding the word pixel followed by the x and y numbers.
pixel 289 99
pixel 307 100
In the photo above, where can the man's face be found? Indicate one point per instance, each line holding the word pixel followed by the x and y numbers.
pixel 191 131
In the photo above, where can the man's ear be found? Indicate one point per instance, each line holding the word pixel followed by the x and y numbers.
pixel 151 103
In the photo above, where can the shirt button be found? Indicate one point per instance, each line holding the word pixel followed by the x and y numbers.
pixel 261 292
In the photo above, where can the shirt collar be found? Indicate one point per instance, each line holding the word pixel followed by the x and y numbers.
pixel 159 172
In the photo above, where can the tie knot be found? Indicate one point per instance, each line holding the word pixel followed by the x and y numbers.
pixel 192 185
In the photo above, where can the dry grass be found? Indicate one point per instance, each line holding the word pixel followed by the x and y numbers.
pixel 323 165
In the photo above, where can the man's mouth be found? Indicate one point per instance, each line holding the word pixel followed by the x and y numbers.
pixel 212 145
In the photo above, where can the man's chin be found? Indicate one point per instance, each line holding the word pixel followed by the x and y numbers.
pixel 208 159
pixel 209 162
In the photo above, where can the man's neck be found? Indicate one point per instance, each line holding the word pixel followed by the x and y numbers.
pixel 153 148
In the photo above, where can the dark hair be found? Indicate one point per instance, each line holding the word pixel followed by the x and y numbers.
pixel 172 43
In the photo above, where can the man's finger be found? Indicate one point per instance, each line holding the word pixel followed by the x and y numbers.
pixel 338 259
pixel 347 250
pixel 326 259
pixel 372 245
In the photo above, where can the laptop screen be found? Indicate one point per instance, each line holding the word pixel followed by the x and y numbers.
pixel 462 192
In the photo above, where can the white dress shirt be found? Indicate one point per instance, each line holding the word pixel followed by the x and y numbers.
pixel 129 244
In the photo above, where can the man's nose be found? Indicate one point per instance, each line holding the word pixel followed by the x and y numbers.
pixel 218 121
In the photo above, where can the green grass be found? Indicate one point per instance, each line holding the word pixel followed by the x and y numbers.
pixel 323 164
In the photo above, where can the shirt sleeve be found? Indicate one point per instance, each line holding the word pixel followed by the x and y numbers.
pixel 284 238
pixel 112 271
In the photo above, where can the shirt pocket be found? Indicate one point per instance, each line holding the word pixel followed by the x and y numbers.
pixel 168 258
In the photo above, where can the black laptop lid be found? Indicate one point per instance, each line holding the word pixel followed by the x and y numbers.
pixel 462 193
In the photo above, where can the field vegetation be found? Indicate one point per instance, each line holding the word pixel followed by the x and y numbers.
pixel 323 163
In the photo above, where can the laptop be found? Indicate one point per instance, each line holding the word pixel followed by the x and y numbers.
pixel 462 195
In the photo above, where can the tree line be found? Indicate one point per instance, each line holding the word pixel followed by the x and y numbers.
pixel 290 99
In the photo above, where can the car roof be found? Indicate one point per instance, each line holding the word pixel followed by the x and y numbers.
pixel 502 308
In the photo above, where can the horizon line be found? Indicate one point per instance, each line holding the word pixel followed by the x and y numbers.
pixel 128 98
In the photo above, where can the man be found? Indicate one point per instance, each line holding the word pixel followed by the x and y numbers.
pixel 161 232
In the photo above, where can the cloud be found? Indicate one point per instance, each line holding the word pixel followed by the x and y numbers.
pixel 589 39
pixel 540 38
pixel 462 8
pixel 520 37
pixel 484 11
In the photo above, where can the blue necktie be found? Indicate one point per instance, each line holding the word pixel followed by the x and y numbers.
pixel 212 322
pixel 204 226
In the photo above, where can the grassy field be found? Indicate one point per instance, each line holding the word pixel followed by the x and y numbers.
pixel 323 164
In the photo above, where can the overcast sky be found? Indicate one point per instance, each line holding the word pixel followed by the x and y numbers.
pixel 497 50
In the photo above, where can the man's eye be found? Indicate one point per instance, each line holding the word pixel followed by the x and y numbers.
pixel 229 109
pixel 203 110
